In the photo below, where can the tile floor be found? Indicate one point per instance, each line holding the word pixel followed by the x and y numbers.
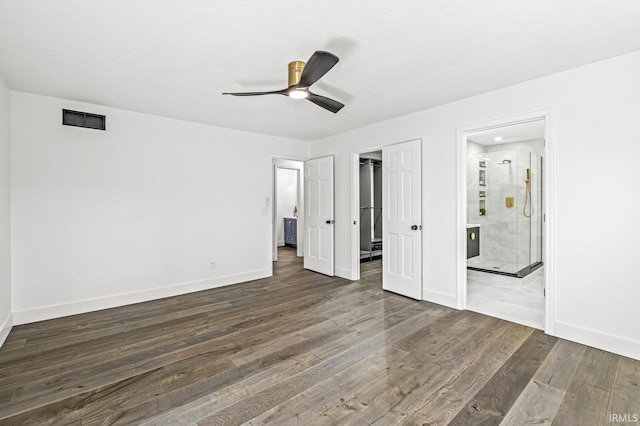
pixel 519 300
pixel 498 265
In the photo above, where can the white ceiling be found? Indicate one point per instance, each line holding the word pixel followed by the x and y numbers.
pixel 515 133
pixel 175 58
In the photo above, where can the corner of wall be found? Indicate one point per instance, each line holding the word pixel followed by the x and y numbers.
pixel 6 317
pixel 344 273
pixel 5 328
pixel 440 298
pixel 597 339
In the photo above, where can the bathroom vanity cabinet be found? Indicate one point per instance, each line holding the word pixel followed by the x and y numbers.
pixel 290 232
pixel 473 241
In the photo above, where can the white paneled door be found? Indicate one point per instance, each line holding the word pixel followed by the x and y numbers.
pixel 318 216
pixel 402 219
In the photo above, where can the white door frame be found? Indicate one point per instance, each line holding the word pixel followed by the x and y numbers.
pixel 278 162
pixel 355 207
pixel 548 205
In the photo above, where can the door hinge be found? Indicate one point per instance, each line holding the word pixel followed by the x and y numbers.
pixel 544 292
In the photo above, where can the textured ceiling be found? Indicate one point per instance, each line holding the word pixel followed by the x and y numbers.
pixel 175 58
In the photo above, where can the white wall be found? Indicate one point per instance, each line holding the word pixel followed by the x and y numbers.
pixel 596 110
pixel 287 193
pixel 5 212
pixel 137 212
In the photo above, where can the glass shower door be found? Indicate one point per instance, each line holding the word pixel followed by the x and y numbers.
pixel 492 204
pixel 530 214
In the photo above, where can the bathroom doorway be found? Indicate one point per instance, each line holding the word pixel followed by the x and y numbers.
pixel 505 270
pixel 288 218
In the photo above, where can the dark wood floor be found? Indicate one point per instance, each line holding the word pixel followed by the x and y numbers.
pixel 302 348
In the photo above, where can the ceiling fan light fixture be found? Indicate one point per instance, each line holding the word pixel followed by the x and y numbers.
pixel 298 94
pixel 301 77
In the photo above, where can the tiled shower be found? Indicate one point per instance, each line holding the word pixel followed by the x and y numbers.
pixel 504 197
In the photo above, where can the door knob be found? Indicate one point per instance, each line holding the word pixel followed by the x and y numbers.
pixel 414 227
pixel 329 222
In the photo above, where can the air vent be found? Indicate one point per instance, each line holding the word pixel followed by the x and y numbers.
pixel 84 119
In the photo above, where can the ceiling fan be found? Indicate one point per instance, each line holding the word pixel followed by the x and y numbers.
pixel 301 76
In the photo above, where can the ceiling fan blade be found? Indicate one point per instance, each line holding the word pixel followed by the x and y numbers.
pixel 317 66
pixel 274 92
pixel 326 103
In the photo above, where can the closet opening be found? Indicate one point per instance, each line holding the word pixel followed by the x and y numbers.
pixel 370 212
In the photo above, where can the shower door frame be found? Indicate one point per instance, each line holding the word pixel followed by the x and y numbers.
pixel 548 203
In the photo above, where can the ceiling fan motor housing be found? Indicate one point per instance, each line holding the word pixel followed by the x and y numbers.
pixel 295 71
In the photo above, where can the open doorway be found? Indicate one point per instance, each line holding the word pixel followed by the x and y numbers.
pixel 358 159
pixel 504 213
pixel 370 211
pixel 288 217
pixel 370 206
pixel 505 269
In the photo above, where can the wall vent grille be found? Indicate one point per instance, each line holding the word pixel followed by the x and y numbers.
pixel 84 119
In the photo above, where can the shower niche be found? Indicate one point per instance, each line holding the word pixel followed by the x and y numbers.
pixel 504 197
pixel 482 182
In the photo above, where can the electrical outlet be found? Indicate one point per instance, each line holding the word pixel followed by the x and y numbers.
pixel 212 264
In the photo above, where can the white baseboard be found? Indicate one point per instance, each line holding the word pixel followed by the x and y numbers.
pixel 280 243
pixel 343 273
pixel 440 298
pixel 82 306
pixel 5 328
pixel 607 342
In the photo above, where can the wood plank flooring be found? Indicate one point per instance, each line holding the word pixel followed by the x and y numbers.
pixel 303 348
